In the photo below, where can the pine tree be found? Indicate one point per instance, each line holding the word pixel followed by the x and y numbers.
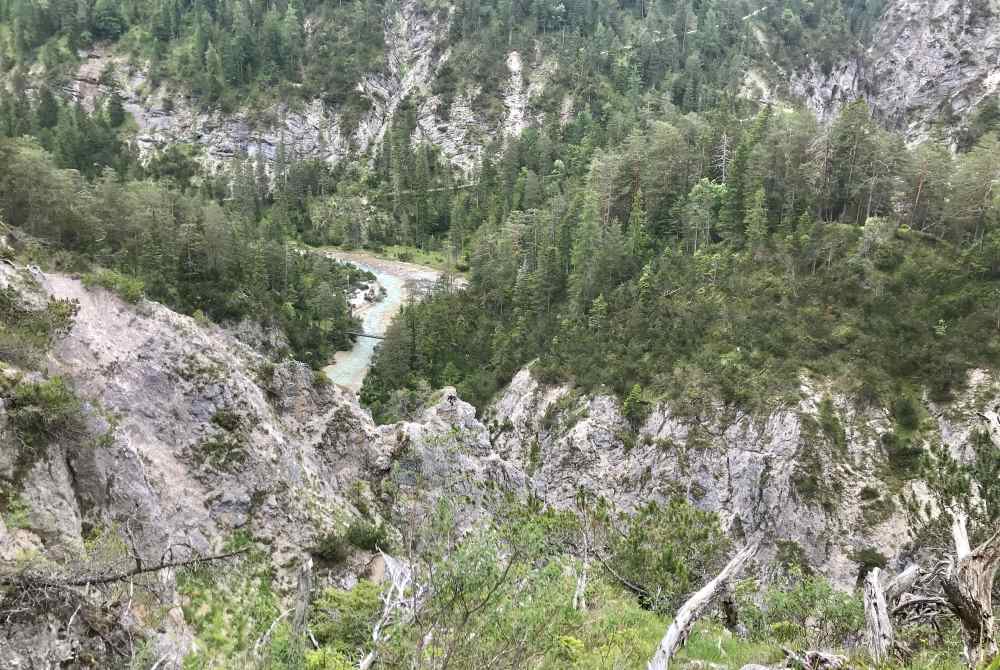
pixel 294 38
pixel 116 110
pixel 756 221
pixel 598 314
pixel 47 112
pixel 638 240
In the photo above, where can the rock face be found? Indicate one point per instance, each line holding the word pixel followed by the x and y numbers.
pixel 928 59
pixel 193 436
pixel 789 479
pixel 415 52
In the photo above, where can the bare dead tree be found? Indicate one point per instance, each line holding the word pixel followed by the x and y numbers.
pixel 968 586
pixel 399 601
pixel 880 633
pixel 723 156
pixel 694 607
pixel 881 604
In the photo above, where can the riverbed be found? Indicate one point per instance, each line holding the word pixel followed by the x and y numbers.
pixel 397 283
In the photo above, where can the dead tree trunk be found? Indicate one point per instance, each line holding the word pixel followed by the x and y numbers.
pixel 689 612
pixel 398 600
pixel 880 606
pixel 880 633
pixel 302 597
pixel 968 585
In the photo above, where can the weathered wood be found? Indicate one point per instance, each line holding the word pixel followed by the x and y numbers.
pixel 303 597
pixel 880 633
pixel 398 599
pixel 815 660
pixel 695 606
pixel 968 585
pixel 901 584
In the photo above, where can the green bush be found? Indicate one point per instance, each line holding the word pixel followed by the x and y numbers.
pixel 906 412
pixel 41 412
pixel 800 608
pixel 342 620
pixel 366 535
pixel 130 289
pixel 26 333
pixel 332 548
pixel 668 551
pixel 227 419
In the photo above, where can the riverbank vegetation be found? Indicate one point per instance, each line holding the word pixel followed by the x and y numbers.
pixel 152 239
pixel 704 257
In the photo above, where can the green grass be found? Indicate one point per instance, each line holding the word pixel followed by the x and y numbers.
pixel 714 644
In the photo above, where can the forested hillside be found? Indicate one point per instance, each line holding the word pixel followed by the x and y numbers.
pixel 720 287
pixel 223 51
pixel 709 256
pixel 672 234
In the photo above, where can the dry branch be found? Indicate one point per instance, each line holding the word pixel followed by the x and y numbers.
pixel 689 612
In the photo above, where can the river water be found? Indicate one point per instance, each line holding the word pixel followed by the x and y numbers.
pixel 400 281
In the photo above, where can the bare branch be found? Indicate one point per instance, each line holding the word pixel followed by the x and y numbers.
pixel 694 607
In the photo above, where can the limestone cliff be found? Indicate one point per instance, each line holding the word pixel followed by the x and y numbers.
pixel 415 52
pixel 929 62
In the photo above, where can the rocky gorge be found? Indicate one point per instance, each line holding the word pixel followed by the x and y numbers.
pixel 192 436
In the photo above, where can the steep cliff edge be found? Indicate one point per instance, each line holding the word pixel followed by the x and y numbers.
pixel 815 478
pixel 191 437
pixel 929 62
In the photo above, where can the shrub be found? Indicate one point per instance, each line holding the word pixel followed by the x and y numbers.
pixel 668 550
pixel 803 608
pixel 903 453
pixel 331 548
pixel 366 535
pixel 906 412
pixel 26 333
pixel 130 289
pixel 15 513
pixel 41 412
pixel 342 620
pixel 326 658
pixel 227 419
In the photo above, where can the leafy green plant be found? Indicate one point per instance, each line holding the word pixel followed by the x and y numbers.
pixel 366 535
pixel 131 289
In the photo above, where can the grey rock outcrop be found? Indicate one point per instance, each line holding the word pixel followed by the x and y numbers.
pixel 191 436
pixel 775 478
pixel 928 60
pixel 415 53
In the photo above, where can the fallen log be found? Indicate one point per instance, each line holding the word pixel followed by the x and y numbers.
pixel 694 607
